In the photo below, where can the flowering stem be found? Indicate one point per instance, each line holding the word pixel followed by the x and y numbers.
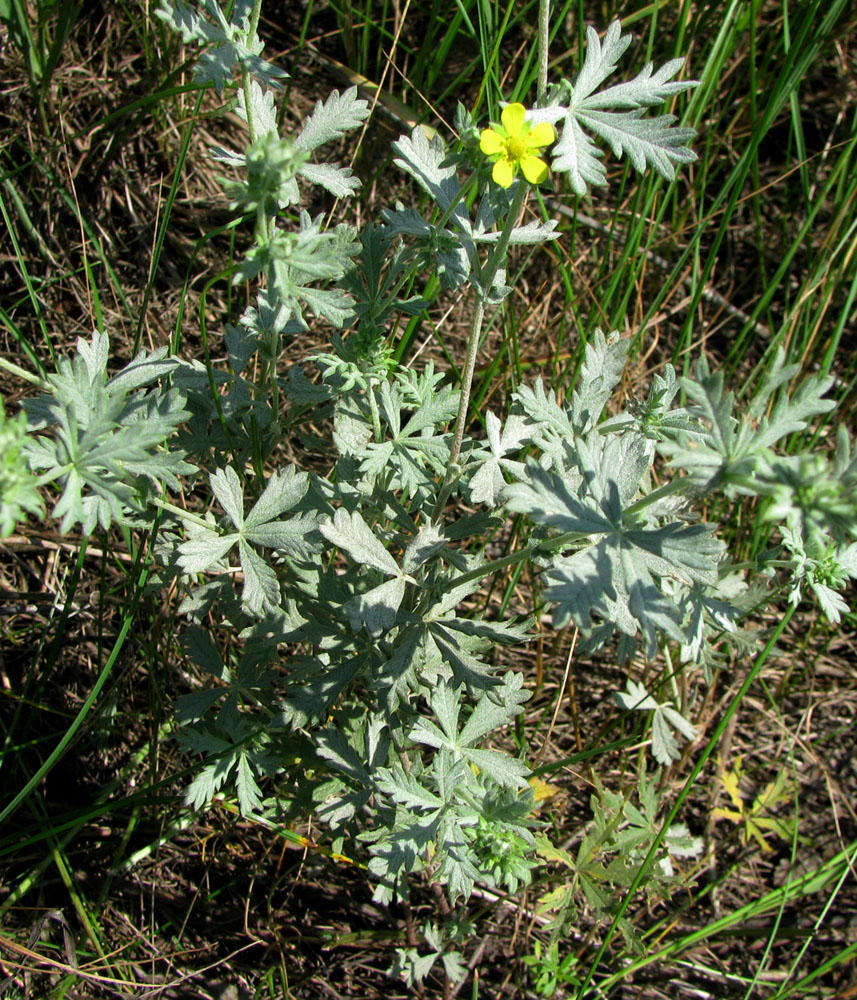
pixel 10 366
pixel 485 282
pixel 255 14
pixel 543 42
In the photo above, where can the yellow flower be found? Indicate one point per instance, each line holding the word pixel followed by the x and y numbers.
pixel 512 143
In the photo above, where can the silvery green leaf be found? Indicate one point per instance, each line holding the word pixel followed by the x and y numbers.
pixel 445 701
pixel 665 718
pixel 437 410
pixel 181 17
pixel 162 467
pixel 831 601
pixel 94 354
pixel 429 540
pixel 505 633
pixel 706 613
pixel 226 486
pixel 547 499
pixel 508 772
pixel 635 697
pixel 241 345
pixel 351 534
pixel 847 560
pixel 196 705
pixel 143 370
pixel 548 419
pixel 427 733
pixel 246 788
pixel 198 645
pixel 208 783
pixel 499 289
pixel 645 141
pixel 406 222
pixel 454 965
pixel 645 90
pixel 232 43
pixel 412 967
pixel 261 591
pixel 340 755
pixel 664 745
pixel 515 434
pixel 228 156
pixel 678 722
pixel 458 654
pixel 406 790
pixel 291 537
pixel 262 109
pixel 792 414
pixel 282 492
pixel 487 484
pixel 604 362
pixel 532 233
pixel 352 425
pixel 18 493
pixel 329 303
pixel 339 181
pixel 203 550
pixel 494 710
pixel 391 407
pixel 377 608
pixel 444 250
pixel 453 594
pixel 681 844
pixel 300 390
pixel 330 120
pixel 424 160
pixel 600 61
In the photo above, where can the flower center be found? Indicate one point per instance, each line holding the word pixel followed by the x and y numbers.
pixel 516 147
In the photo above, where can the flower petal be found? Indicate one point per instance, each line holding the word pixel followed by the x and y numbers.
pixel 512 118
pixel 541 134
pixel 503 173
pixel 490 142
pixel 534 169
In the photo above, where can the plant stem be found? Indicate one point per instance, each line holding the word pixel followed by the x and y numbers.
pixel 543 41
pixel 181 514
pixel 485 283
pixel 18 372
pixel 255 14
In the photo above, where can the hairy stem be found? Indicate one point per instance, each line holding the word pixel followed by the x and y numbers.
pixel 486 282
pixel 543 42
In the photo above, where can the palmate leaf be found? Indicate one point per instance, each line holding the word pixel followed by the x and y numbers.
pixel 413 454
pixel 106 453
pixel 232 44
pixel 493 711
pixel 615 115
pixel 204 548
pixel 488 482
pixel 615 577
pixel 664 721
pixel 730 452
pixel 425 160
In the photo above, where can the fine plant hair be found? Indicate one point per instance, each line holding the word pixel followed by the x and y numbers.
pixel 355 675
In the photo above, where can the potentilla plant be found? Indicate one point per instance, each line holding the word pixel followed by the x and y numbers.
pixel 329 604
